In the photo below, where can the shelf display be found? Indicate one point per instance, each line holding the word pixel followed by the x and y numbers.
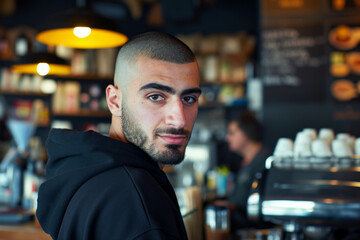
pixel 79 98
pixel 72 97
pixel 34 110
pixel 223 61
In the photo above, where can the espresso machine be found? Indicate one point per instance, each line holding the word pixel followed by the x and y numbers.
pixel 311 196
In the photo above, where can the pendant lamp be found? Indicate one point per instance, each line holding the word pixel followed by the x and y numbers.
pixel 42 64
pixel 81 28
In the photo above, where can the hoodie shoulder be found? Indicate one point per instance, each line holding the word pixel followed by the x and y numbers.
pixel 70 150
pixel 74 158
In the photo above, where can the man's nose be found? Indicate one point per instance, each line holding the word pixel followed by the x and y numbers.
pixel 175 115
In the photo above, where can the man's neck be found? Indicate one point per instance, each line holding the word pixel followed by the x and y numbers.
pixel 250 151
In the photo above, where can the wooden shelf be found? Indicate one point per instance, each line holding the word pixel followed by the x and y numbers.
pixel 23 93
pixel 83 113
pixel 84 77
pixel 42 124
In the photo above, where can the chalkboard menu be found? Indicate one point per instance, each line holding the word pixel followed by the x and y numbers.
pixel 310 66
pixel 310 51
pixel 293 63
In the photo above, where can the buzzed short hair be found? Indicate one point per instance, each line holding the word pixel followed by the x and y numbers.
pixel 159 46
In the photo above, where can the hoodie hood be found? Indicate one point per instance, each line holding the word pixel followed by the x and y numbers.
pixel 75 157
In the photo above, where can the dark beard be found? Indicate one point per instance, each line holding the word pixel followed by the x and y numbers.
pixel 134 134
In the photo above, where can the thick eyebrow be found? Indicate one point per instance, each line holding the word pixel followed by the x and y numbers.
pixel 158 87
pixel 191 91
pixel 168 89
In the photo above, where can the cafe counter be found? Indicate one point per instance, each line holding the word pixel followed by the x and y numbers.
pixel 29 231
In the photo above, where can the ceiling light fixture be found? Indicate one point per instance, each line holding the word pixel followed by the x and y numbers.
pixel 81 28
pixel 42 64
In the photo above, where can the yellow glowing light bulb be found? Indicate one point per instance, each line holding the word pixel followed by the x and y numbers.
pixel 82 32
pixel 43 68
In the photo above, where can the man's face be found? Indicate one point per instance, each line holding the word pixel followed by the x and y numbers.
pixel 236 138
pixel 160 108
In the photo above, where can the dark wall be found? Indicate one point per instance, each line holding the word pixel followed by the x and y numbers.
pixel 33 13
pixel 220 17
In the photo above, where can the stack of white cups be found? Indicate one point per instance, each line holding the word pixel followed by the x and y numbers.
pixel 302 145
pixel 343 145
pixel 311 132
pixel 310 145
pixel 327 134
pixel 321 147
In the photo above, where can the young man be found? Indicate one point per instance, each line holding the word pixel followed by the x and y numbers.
pixel 245 138
pixel 113 187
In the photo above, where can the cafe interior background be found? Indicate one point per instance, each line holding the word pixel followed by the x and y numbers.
pixel 295 63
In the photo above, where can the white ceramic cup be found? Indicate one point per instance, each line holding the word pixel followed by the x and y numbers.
pixel 310 132
pixel 350 140
pixel 342 136
pixel 302 137
pixel 302 150
pixel 302 145
pixel 326 133
pixel 284 147
pixel 320 148
pixel 340 148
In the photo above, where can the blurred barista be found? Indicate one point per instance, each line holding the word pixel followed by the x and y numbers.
pixel 245 138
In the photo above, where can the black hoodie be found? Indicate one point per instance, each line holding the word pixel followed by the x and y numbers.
pixel 101 188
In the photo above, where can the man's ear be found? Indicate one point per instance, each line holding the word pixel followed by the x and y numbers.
pixel 113 99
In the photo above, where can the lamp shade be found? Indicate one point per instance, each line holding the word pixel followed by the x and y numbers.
pixel 33 63
pixel 101 32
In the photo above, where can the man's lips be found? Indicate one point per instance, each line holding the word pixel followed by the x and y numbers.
pixel 174 139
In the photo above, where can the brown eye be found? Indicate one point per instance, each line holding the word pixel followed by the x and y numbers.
pixel 189 99
pixel 156 98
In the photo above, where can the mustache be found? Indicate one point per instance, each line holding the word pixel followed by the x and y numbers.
pixel 173 131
